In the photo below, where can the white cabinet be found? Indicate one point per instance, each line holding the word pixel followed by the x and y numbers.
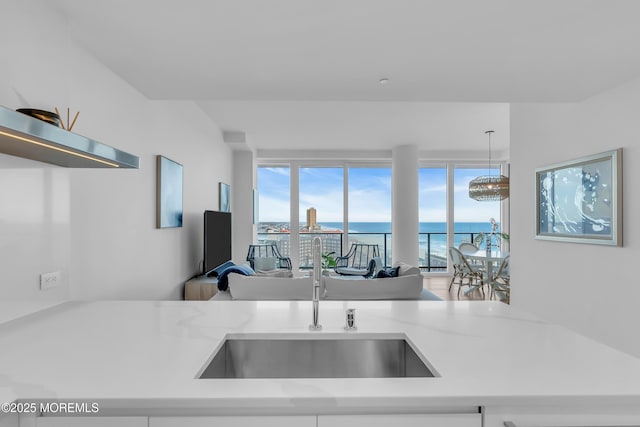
pixel 91 421
pixel 401 420
pixel 9 420
pixel 561 416
pixel 234 421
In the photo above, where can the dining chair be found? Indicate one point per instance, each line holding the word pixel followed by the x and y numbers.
pixel 501 282
pixel 466 248
pixel 462 270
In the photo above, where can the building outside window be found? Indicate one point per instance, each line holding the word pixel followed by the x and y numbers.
pixel 274 195
pixel 321 204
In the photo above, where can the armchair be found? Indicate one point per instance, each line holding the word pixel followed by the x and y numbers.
pixel 356 261
pixel 266 256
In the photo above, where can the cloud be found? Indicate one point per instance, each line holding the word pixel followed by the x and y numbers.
pixel 433 214
pixel 328 204
pixel 369 195
pixel 276 170
pixel 439 188
pixel 273 209
pixel 479 212
pixel 370 206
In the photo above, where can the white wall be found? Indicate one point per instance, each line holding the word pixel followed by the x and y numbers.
pixel 105 241
pixel 35 228
pixel 591 289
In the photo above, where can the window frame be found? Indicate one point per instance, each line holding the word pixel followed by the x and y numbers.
pixel 294 166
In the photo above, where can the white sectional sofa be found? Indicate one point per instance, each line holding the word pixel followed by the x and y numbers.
pixel 408 285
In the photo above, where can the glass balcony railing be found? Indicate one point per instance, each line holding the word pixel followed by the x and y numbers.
pixel 433 252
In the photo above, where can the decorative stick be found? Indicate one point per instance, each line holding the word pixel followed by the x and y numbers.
pixel 67 117
pixel 61 121
pixel 74 120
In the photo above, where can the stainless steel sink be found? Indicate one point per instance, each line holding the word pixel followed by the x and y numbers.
pixel 321 356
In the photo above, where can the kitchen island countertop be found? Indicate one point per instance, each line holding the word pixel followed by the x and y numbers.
pixel 146 354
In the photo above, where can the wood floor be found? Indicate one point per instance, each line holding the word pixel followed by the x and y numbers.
pixel 440 287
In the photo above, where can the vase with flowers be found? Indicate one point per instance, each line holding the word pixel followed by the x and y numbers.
pixel 494 238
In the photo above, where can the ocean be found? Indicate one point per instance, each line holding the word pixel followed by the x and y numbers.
pixel 424 227
pixel 432 247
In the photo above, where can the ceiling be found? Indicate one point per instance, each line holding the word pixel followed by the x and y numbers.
pixel 297 74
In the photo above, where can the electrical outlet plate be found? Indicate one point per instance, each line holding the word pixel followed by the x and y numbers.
pixel 50 280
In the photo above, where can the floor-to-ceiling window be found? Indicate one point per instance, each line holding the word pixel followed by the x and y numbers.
pixel 321 210
pixel 347 203
pixel 274 201
pixel 448 216
pixel 342 204
pixel 432 203
pixel 472 217
pixel 369 208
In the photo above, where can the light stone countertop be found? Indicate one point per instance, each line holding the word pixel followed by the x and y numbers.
pixel 12 310
pixel 143 354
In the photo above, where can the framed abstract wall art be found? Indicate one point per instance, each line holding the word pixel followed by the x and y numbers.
pixel 581 200
pixel 224 197
pixel 169 193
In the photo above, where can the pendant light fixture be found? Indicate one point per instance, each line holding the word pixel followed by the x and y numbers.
pixel 489 188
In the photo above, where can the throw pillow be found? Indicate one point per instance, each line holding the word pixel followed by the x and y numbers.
pixel 265 264
pixel 406 269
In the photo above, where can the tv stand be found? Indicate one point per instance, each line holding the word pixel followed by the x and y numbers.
pixel 200 288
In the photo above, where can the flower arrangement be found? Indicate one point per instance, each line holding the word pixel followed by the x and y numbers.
pixel 495 235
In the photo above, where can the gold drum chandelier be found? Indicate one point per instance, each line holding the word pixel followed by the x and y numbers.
pixel 488 187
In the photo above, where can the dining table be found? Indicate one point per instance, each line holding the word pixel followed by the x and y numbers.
pixel 489 259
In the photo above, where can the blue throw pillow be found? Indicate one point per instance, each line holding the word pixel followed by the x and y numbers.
pixel 223 280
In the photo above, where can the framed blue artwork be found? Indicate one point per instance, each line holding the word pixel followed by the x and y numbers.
pixel 581 200
pixel 224 194
pixel 169 193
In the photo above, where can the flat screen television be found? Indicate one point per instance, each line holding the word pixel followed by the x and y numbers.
pixel 217 239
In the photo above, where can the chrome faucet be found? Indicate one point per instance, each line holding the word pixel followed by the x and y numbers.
pixel 316 249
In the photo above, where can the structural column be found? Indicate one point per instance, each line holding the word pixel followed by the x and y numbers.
pixel 404 213
pixel 242 187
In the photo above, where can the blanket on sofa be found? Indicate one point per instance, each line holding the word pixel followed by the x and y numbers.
pixel 229 267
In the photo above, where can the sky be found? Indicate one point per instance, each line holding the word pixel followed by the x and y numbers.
pixel 369 195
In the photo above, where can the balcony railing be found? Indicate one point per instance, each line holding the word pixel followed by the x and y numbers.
pixel 433 252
